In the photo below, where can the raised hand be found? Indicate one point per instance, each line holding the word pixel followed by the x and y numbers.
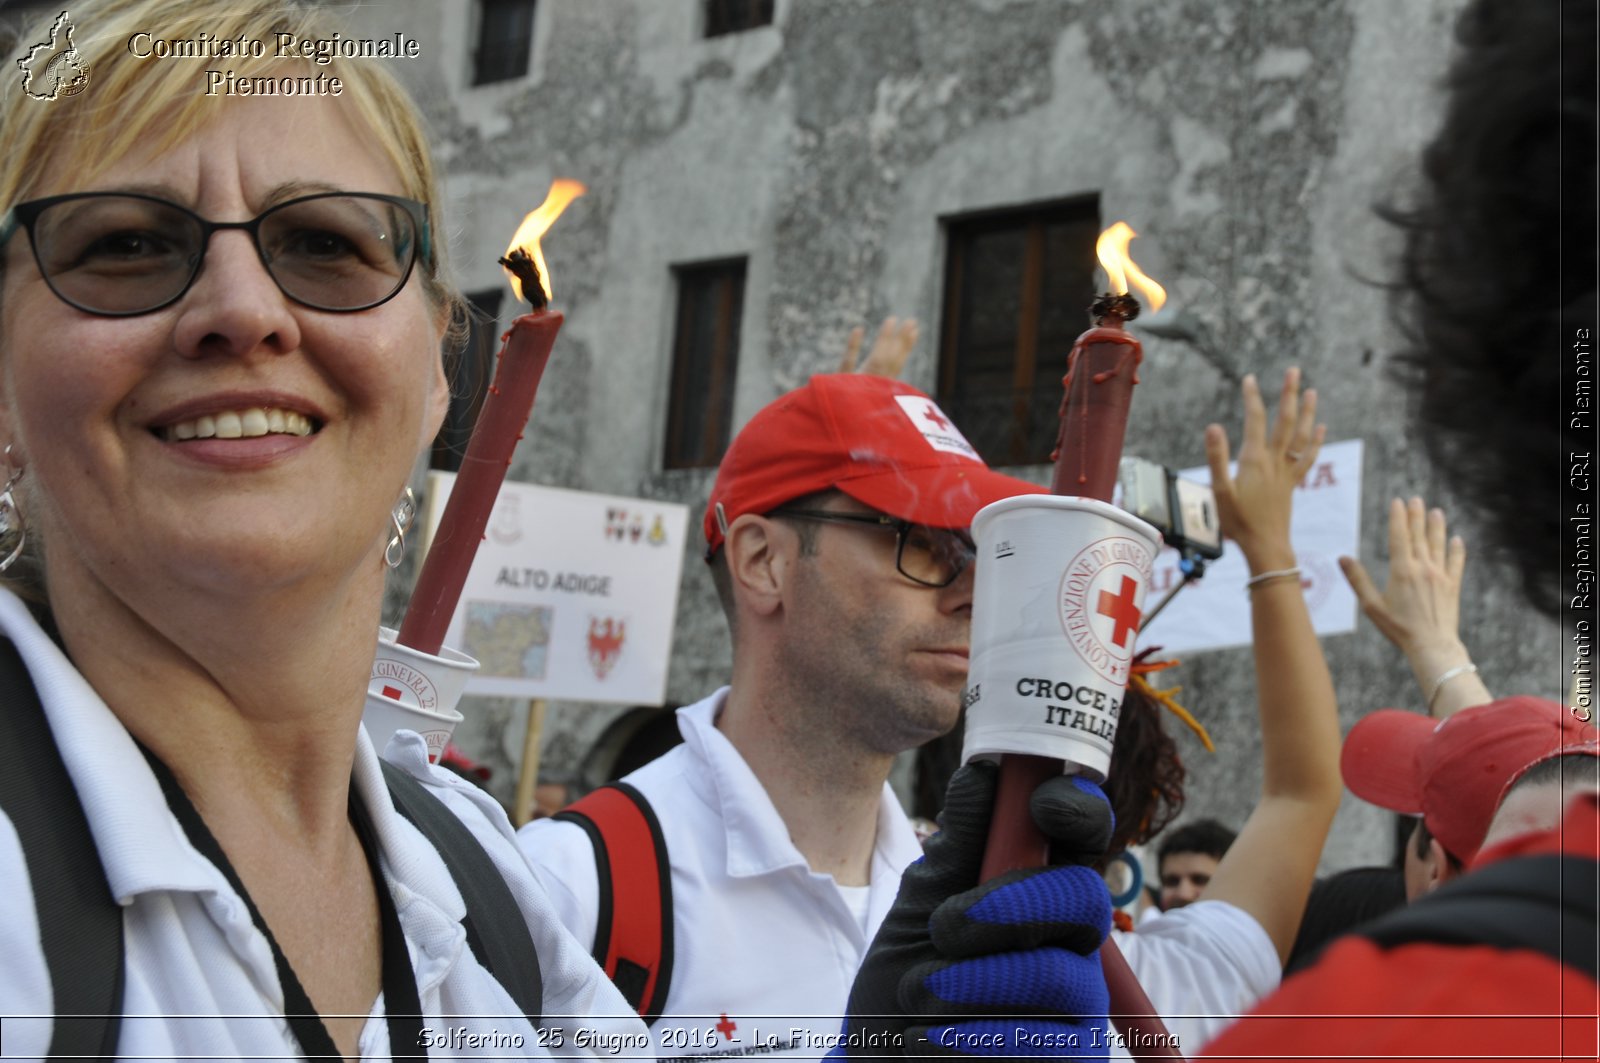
pixel 894 344
pixel 1420 609
pixel 1255 504
pixel 1267 872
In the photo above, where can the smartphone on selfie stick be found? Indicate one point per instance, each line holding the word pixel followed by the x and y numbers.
pixel 1183 511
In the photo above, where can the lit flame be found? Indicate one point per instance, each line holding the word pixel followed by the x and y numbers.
pixel 562 192
pixel 1112 250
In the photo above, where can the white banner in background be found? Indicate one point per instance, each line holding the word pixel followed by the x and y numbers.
pixel 1214 612
pixel 572 594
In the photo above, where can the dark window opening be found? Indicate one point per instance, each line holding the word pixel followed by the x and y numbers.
pixel 733 16
pixel 705 363
pixel 1018 285
pixel 469 373
pixel 505 38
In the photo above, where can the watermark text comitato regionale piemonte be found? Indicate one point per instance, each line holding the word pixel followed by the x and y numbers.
pixel 283 45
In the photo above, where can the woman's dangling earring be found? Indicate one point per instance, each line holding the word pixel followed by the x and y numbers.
pixel 400 519
pixel 13 529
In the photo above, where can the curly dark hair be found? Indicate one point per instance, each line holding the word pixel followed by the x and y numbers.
pixel 1479 296
pixel 1145 783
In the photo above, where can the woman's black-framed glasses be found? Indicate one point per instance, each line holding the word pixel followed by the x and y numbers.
pixel 119 254
pixel 933 557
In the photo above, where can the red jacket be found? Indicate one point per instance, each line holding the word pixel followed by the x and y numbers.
pixel 1444 1001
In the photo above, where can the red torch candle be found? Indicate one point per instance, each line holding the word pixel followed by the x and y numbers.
pixel 505 412
pixel 1096 394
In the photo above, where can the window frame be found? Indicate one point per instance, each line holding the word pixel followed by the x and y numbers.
pixel 748 9
pixel 715 413
pixel 478 78
pixel 1033 220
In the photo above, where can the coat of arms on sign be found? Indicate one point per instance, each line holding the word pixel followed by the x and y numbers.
pixel 606 635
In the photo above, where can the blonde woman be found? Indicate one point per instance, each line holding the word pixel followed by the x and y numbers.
pixel 220 329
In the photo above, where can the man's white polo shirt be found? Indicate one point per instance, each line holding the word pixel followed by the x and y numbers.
pixel 765 949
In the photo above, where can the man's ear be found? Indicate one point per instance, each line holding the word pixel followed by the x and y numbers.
pixel 1440 867
pixel 759 552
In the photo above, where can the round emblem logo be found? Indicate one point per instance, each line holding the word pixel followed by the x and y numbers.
pixel 1100 597
pixel 403 683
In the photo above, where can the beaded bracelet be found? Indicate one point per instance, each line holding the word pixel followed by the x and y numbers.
pixel 1267 577
pixel 1445 677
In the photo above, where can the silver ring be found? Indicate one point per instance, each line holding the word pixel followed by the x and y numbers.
pixel 1292 455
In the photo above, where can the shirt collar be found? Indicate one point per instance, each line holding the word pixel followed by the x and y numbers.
pixel 141 844
pixel 757 838
pixel 143 848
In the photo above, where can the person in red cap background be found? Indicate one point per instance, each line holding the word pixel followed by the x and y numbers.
pixel 1497 963
pixel 1456 974
pixel 1451 773
pixel 837 537
pixel 1538 795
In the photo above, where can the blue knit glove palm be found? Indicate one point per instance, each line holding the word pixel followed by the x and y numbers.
pixel 1008 967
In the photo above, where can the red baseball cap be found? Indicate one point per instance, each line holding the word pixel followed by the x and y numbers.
pixel 1452 772
pixel 882 442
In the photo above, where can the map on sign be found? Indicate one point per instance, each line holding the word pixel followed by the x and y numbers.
pixel 508 639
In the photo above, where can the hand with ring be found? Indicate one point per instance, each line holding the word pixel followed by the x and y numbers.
pixel 1255 502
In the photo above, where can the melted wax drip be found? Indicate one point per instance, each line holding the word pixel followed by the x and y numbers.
pixel 1132 356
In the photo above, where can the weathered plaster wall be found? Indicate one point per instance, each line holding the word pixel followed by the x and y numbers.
pixel 1247 139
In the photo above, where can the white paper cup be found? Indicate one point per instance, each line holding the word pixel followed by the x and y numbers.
pixel 414 691
pixel 1055 615
pixel 384 718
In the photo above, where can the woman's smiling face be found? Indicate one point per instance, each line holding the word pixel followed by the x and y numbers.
pixel 107 413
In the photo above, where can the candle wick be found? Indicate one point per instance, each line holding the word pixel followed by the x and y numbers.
pixel 522 267
pixel 1113 309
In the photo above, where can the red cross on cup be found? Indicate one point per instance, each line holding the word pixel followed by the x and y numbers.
pixel 1120 608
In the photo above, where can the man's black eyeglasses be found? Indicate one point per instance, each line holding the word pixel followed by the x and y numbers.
pixel 933 557
pixel 120 254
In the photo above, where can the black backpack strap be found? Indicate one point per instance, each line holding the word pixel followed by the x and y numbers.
pixel 497 932
pixel 633 933
pixel 80 922
pixel 1544 903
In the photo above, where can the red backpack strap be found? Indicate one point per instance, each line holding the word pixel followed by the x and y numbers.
pixel 633 926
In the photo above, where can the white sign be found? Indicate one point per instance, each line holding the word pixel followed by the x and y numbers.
pixel 1214 612
pixel 572 594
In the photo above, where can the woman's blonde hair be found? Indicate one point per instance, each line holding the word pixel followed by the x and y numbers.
pixel 145 102
pixel 127 102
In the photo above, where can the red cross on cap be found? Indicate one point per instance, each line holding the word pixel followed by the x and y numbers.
pixel 931 412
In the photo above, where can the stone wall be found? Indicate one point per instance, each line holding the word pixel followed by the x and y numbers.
pixel 1246 139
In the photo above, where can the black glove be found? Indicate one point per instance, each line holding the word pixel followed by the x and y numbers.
pixel 1020 951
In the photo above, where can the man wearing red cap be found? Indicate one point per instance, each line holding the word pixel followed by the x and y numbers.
pixel 1451 773
pixel 1497 958
pixel 836 534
